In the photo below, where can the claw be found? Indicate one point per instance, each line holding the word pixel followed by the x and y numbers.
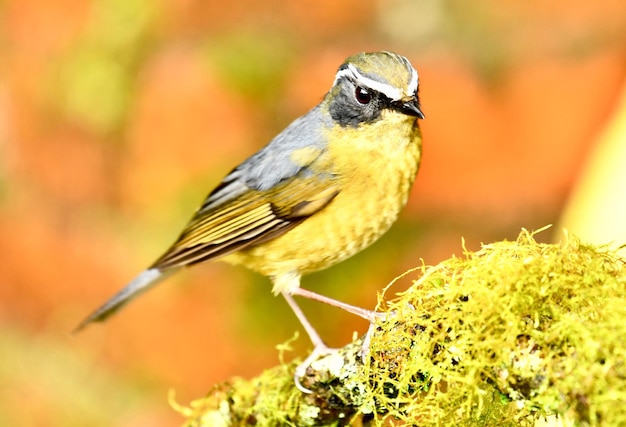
pixel 318 351
pixel 367 339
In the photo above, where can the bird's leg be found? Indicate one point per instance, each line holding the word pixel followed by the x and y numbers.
pixel 310 330
pixel 319 346
pixel 369 315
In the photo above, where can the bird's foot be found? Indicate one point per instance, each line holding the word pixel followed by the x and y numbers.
pixel 320 350
pixel 367 338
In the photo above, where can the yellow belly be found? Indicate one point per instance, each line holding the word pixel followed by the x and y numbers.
pixel 375 178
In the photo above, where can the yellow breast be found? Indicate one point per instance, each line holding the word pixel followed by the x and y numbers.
pixel 375 171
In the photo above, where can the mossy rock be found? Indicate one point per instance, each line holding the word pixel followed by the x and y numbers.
pixel 513 334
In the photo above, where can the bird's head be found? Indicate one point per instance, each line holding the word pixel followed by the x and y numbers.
pixel 367 84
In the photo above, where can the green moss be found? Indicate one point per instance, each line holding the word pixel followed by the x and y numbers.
pixel 504 336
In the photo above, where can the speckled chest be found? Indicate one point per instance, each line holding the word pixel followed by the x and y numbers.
pixel 374 173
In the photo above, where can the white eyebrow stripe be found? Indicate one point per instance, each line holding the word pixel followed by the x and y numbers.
pixel 414 82
pixel 391 92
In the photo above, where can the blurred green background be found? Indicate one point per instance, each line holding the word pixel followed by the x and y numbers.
pixel 118 116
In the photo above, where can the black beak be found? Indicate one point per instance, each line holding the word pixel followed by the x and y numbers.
pixel 410 107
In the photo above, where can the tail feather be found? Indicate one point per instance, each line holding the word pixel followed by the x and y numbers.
pixel 141 283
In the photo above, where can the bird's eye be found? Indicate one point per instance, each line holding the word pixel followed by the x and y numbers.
pixel 362 95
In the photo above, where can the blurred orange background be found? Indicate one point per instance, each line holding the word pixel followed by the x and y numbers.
pixel 117 117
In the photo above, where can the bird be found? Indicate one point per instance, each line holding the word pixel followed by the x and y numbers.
pixel 326 187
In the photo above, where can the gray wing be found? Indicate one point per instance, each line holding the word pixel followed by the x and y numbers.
pixel 261 199
pixel 273 163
